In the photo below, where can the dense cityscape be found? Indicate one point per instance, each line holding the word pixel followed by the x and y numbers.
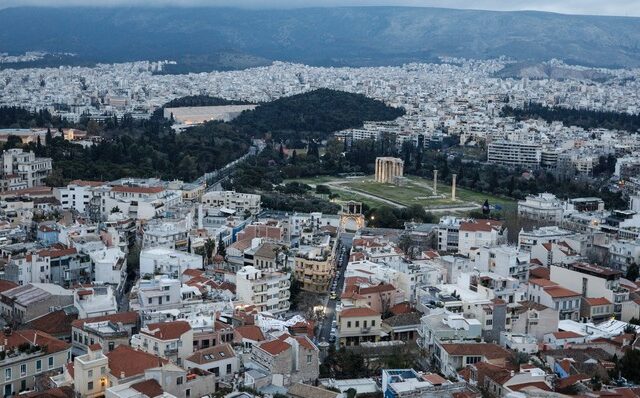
pixel 463 228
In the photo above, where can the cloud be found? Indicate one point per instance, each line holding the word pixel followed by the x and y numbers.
pixel 595 7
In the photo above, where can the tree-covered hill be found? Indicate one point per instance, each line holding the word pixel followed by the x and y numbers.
pixel 314 114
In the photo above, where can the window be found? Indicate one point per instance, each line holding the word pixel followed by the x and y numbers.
pixel 103 370
pixel 7 374
pixel 188 392
pixel 90 386
pixel 228 368
pixel 90 373
pixel 23 370
pixel 179 380
pixel 150 300
pixel 357 324
pixel 50 362
pixel 373 323
pixel 38 365
pixel 111 345
pixel 309 359
pixel 348 324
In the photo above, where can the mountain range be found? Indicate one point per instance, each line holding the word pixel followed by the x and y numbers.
pixel 227 38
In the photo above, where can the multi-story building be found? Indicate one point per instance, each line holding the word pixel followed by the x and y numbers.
pixel 33 300
pixel 592 281
pixel 28 354
pixel 552 295
pixel 358 325
pixel 550 234
pixel 506 261
pixel 162 260
pixel 90 372
pixel 109 331
pixel 267 290
pixel 514 153
pixel 447 232
pixel 288 359
pixel 533 319
pixel 314 268
pixel 171 340
pixel 221 360
pixel 76 195
pixel 26 165
pixel 159 293
pixel 544 207
pixel 478 233
pixel 232 200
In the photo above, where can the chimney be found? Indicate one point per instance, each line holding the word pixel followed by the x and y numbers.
pixel 453 186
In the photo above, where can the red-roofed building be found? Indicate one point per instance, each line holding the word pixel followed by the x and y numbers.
pixel 171 340
pixel 36 353
pixel 127 363
pixel 596 309
pixel 109 331
pixel 359 324
pixel 479 233
pixel 289 359
pixel 554 296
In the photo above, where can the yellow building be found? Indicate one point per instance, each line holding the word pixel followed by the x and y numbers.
pixel 358 325
pixel 314 268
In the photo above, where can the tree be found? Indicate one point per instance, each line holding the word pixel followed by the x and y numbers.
pixel 405 244
pixel 222 250
pixel 633 271
pixel 209 246
pixel 115 209
pixel 629 365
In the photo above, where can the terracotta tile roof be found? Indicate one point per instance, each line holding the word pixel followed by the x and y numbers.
pixel 481 226
pixel 127 318
pixel 381 288
pixel 250 332
pixel 95 347
pixel 434 379
pixel 35 337
pixel 275 347
pixel 55 323
pixel 401 308
pixel 58 392
pixel 358 312
pixel 167 330
pixel 560 292
pixel 193 272
pixel 566 335
pixel 300 390
pixel 593 301
pixel 55 253
pixel 151 388
pixel 539 272
pixel 85 183
pixel 537 384
pixel 124 188
pixel 542 282
pixel 132 362
pixel 212 354
pixel 488 350
pixel 6 285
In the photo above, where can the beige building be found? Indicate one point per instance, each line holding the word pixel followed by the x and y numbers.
pixel 388 168
pixel 90 373
pixel 314 268
pixel 28 354
pixel 358 325
pixel 171 340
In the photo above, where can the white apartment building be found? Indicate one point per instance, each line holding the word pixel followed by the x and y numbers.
pixel 162 260
pixel 554 296
pixel 165 234
pixel 592 281
pixel 300 221
pixel 31 169
pixel 550 234
pixel 267 290
pixel 506 261
pixel 110 265
pixel 545 207
pixel 478 233
pixel 447 233
pixel 232 200
pixel 514 153
pixel 76 195
pixel 171 340
pixel 159 293
pixel 95 301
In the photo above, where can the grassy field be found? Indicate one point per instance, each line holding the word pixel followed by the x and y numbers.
pixel 416 191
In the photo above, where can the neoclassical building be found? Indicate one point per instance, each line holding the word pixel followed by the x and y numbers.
pixel 388 169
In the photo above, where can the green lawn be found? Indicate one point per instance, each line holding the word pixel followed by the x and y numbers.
pixel 407 195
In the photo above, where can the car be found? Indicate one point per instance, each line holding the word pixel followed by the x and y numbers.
pixel 332 338
pixel 334 323
pixel 333 296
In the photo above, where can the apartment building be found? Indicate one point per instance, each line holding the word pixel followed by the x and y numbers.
pixel 514 153
pixel 478 233
pixel 33 300
pixel 552 295
pixel 288 359
pixel 162 260
pixel 314 268
pixel 265 289
pixel 76 195
pixel 358 325
pixel 108 331
pixel 232 200
pixel 90 372
pixel 159 293
pixel 31 169
pixel 170 340
pixel 592 281
pixel 544 207
pixel 548 234
pixel 28 354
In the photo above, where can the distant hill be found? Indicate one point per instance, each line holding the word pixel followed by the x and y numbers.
pixel 224 38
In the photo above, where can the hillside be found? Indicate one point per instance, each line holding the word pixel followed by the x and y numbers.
pixel 226 37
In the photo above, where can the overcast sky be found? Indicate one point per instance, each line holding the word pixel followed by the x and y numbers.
pixel 596 7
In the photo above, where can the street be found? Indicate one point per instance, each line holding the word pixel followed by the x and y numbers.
pixel 324 331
